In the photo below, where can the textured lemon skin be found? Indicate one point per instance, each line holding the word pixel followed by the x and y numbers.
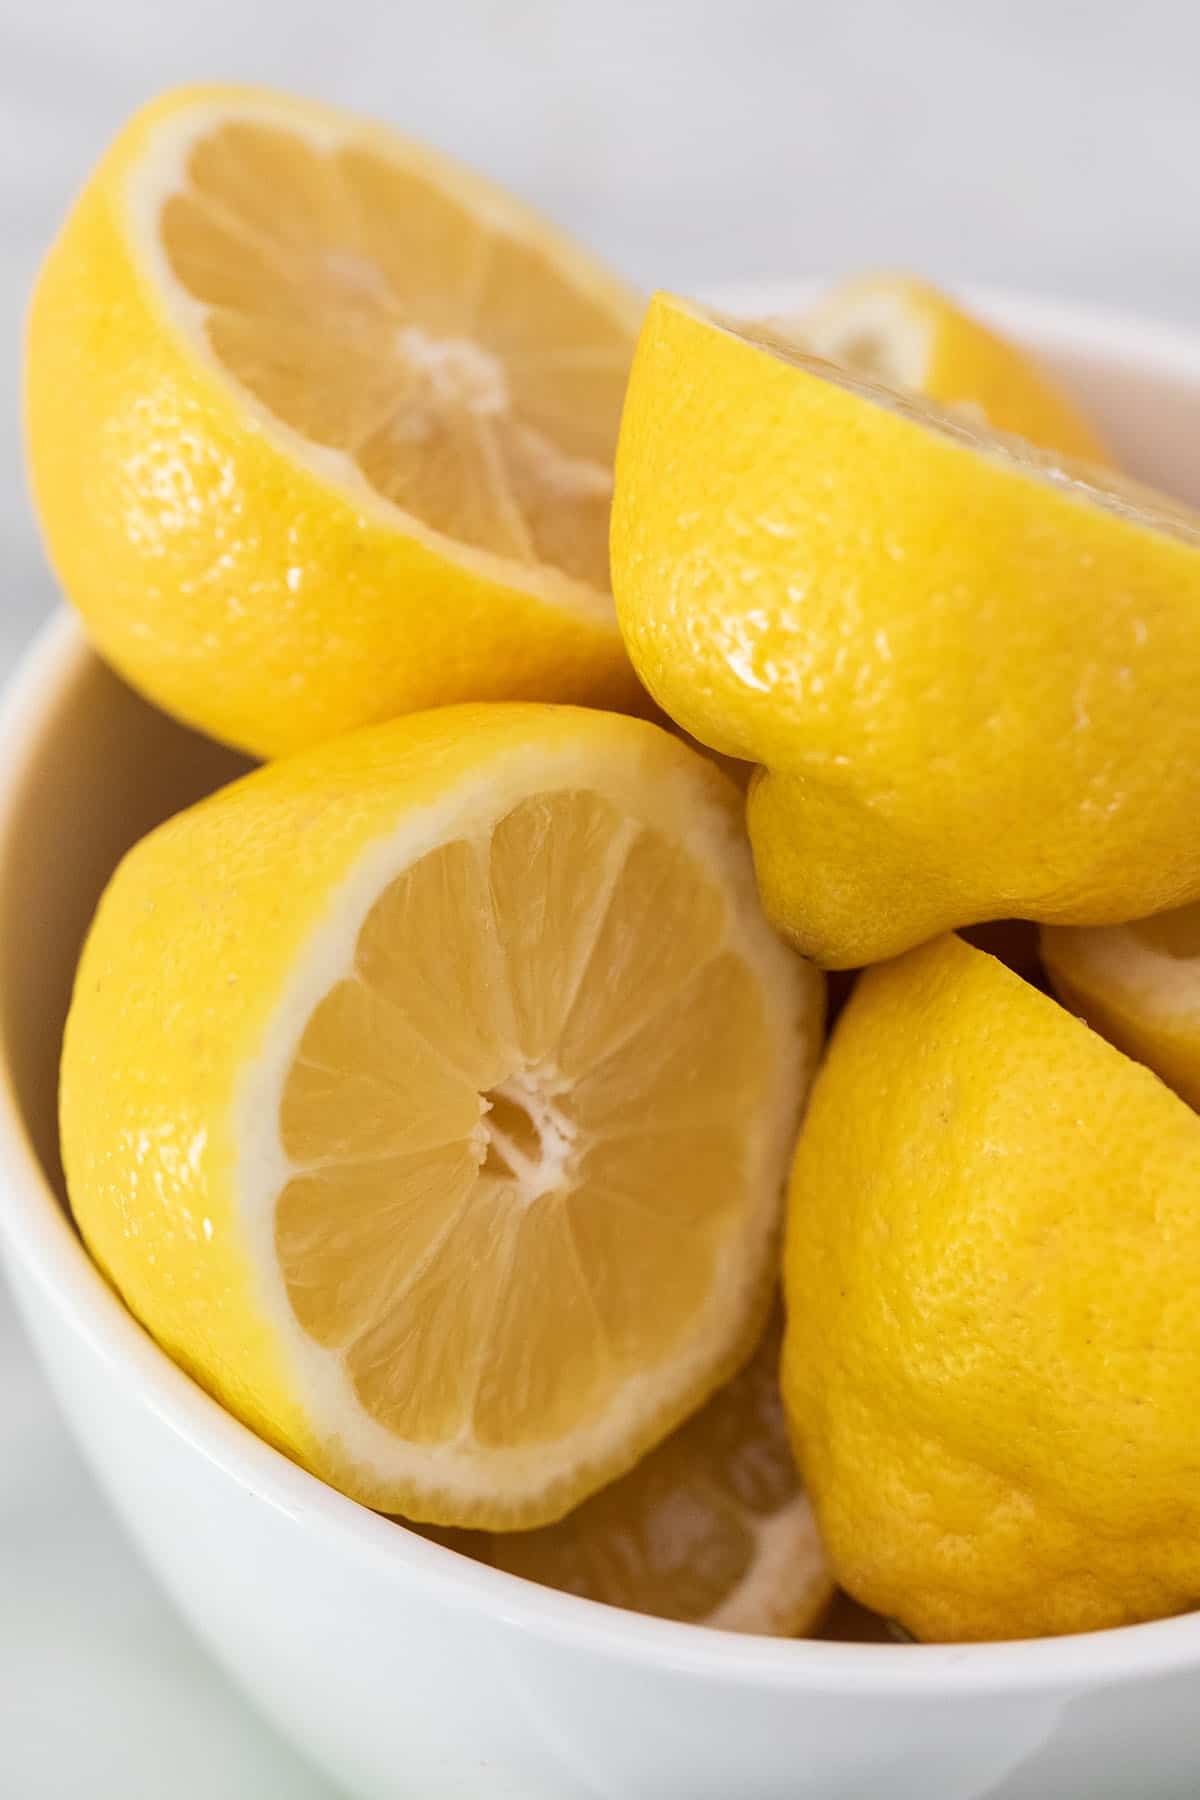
pixel 992 1275
pixel 1166 1037
pixel 971 366
pixel 970 693
pixel 224 579
pixel 180 979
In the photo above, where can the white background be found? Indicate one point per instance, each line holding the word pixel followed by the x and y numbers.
pixel 1051 146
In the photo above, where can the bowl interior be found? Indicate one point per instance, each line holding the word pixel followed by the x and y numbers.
pixel 102 769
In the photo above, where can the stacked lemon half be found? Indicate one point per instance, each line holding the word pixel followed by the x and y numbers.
pixel 431 1093
pixel 428 1094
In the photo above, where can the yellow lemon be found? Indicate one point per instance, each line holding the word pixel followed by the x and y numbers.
pixel 712 1527
pixel 320 425
pixel 1139 985
pixel 907 334
pixel 966 669
pixel 429 1097
pixel 992 1277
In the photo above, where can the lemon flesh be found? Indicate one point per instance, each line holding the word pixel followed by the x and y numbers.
pixel 429 1098
pixel 964 667
pixel 321 425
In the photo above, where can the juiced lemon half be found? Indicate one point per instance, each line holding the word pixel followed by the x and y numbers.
pixel 429 1097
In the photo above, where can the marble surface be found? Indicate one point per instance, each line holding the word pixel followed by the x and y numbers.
pixel 1049 146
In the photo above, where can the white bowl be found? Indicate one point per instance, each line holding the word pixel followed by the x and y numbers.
pixel 403 1668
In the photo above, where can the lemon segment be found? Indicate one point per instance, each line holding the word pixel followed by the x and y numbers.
pixel 712 1527
pixel 907 334
pixel 993 1338
pixel 964 666
pixel 340 426
pixel 429 1097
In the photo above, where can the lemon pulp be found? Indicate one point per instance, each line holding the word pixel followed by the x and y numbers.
pixel 369 309
pixel 502 1084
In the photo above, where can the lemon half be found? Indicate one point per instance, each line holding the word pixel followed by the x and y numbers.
pixel 429 1097
pixel 321 425
pixel 993 1340
pixel 908 334
pixel 966 667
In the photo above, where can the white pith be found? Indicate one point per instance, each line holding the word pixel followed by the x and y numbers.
pixel 534 1091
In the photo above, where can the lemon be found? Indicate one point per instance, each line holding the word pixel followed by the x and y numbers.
pixel 320 425
pixel 712 1527
pixel 1138 984
pixel 907 334
pixel 967 670
pixel 993 1344
pixel 429 1097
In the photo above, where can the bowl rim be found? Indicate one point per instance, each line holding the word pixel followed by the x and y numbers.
pixel 40 1241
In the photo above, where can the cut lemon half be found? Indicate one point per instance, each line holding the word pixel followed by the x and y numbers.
pixel 908 334
pixel 1139 986
pixel 321 425
pixel 993 1343
pixel 712 1527
pixel 429 1097
pixel 965 666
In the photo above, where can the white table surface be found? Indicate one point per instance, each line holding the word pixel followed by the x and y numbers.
pixel 1044 145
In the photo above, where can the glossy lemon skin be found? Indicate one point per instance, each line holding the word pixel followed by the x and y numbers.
pixel 992 1276
pixel 968 690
